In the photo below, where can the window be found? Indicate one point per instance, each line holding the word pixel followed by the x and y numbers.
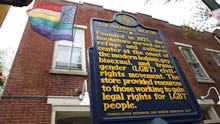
pixel 215 55
pixel 209 114
pixel 194 63
pixel 69 57
pixel 65 59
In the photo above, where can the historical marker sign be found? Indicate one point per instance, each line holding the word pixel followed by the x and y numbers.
pixel 133 77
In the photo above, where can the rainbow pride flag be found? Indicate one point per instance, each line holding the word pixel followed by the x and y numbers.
pixel 52 21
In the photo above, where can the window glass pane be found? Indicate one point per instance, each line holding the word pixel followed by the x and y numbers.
pixel 206 115
pixel 76 61
pixel 197 70
pixel 216 57
pixel 63 56
pixel 188 54
pixel 78 38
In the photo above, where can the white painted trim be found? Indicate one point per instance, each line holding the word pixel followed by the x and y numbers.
pixel 201 80
pixel 182 44
pixel 213 114
pixel 212 121
pixel 72 108
pixel 63 100
pixel 54 55
pixel 80 26
pixel 69 72
pixel 84 53
pixel 67 104
pixel 205 102
pixel 207 105
pixel 212 50
pixel 53 116
pixel 217 39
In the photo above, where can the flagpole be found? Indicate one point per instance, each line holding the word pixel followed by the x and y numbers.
pixel 74 33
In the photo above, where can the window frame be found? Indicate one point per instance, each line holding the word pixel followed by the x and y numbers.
pixel 217 39
pixel 207 105
pixel 83 70
pixel 71 48
pixel 69 104
pixel 206 79
pixel 1 90
pixel 213 51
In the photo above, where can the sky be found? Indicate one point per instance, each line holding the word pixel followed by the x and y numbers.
pixel 175 13
pixel 12 27
pixel 11 32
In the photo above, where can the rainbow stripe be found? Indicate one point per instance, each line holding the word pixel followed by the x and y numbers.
pixel 52 21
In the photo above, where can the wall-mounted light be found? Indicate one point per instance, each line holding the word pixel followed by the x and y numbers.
pixel 203 97
pixel 85 99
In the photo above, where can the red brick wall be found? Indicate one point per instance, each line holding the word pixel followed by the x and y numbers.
pixel 24 111
pixel 30 72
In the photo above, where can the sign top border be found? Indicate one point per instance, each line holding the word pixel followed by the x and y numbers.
pixel 126 19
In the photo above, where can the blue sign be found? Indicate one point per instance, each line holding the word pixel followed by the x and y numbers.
pixel 134 78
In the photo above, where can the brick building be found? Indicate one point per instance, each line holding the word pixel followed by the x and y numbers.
pixel 39 91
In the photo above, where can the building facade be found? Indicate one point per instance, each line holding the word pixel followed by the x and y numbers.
pixel 44 88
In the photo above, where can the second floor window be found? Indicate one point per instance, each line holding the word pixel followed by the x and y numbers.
pixel 194 63
pixel 69 57
pixel 215 55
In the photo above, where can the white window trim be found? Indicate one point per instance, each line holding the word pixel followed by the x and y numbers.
pixel 1 91
pixel 183 44
pixel 208 80
pixel 67 104
pixel 214 51
pixel 66 71
pixel 217 39
pixel 208 104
